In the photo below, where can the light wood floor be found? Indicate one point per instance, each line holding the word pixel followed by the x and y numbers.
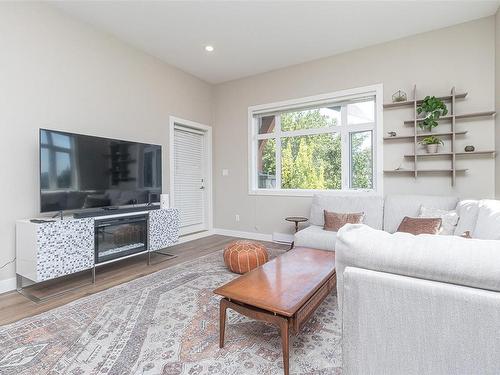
pixel 14 306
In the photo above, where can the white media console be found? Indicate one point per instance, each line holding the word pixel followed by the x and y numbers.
pixel 45 251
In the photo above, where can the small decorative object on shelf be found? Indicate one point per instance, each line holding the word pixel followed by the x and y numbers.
pixel 433 108
pixel 399 96
pixel 469 148
pixel 392 134
pixel 431 142
pixel 402 167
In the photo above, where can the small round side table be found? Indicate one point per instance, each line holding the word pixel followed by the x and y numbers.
pixel 296 220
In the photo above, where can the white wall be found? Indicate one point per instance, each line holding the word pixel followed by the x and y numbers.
pixel 462 56
pixel 60 73
pixel 497 95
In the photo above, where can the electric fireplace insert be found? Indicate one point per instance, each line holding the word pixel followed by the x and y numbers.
pixel 119 237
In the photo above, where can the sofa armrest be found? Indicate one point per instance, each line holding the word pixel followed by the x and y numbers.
pixel 400 325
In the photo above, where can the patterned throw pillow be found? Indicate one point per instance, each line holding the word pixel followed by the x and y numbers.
pixel 449 218
pixel 420 225
pixel 334 221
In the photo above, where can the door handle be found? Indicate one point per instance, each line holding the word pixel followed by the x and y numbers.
pixel 202 188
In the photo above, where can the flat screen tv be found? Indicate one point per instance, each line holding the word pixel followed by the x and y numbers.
pixel 82 172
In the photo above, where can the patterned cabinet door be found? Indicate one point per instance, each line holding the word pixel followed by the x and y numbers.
pixel 65 247
pixel 163 228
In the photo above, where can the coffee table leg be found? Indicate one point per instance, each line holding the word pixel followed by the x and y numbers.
pixel 285 343
pixel 222 327
pixel 283 324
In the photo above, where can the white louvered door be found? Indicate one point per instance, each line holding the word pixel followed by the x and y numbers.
pixel 189 179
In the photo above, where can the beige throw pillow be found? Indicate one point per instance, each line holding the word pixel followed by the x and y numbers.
pixel 334 221
pixel 449 219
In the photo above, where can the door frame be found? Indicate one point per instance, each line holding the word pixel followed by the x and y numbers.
pixel 207 130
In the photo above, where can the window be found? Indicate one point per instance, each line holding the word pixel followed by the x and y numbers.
pixel 320 143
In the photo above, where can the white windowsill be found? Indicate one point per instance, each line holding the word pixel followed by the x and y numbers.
pixel 309 193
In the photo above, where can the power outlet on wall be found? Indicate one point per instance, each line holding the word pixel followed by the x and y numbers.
pixel 237 218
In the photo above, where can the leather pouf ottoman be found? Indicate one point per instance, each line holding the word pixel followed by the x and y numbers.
pixel 243 256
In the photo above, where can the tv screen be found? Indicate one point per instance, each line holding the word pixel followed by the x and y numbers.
pixel 80 172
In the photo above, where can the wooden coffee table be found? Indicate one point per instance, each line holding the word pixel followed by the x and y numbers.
pixel 284 292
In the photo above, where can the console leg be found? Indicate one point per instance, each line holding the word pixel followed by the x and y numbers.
pixel 19 283
pixel 33 298
pixel 167 255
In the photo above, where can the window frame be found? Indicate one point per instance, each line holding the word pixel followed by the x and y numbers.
pixel 376 127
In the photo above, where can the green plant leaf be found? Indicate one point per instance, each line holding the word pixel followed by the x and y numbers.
pixel 433 108
pixel 431 140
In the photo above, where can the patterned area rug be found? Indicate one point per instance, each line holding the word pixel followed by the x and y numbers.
pixel 165 323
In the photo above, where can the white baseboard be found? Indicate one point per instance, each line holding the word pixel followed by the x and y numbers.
pixel 194 236
pixel 283 237
pixel 7 285
pixel 241 234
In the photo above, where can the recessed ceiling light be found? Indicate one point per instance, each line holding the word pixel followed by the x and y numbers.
pixel 209 48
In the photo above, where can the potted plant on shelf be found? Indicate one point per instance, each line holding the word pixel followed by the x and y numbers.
pixel 431 142
pixel 433 108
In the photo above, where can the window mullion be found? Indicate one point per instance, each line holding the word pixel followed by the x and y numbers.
pixel 259 137
pixel 344 141
pixel 255 151
pixel 277 130
pixel 361 127
pixel 312 131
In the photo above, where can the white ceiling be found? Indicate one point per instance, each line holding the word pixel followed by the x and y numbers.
pixel 251 37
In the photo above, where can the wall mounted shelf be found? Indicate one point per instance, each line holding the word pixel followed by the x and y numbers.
pixel 409 103
pixel 452 118
pixel 422 135
pixel 488 152
pixel 423 170
pixel 457 117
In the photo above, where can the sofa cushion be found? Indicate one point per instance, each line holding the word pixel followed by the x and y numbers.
pixel 371 205
pixel 450 259
pixel 467 211
pixel 316 237
pixel 488 220
pixel 396 207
